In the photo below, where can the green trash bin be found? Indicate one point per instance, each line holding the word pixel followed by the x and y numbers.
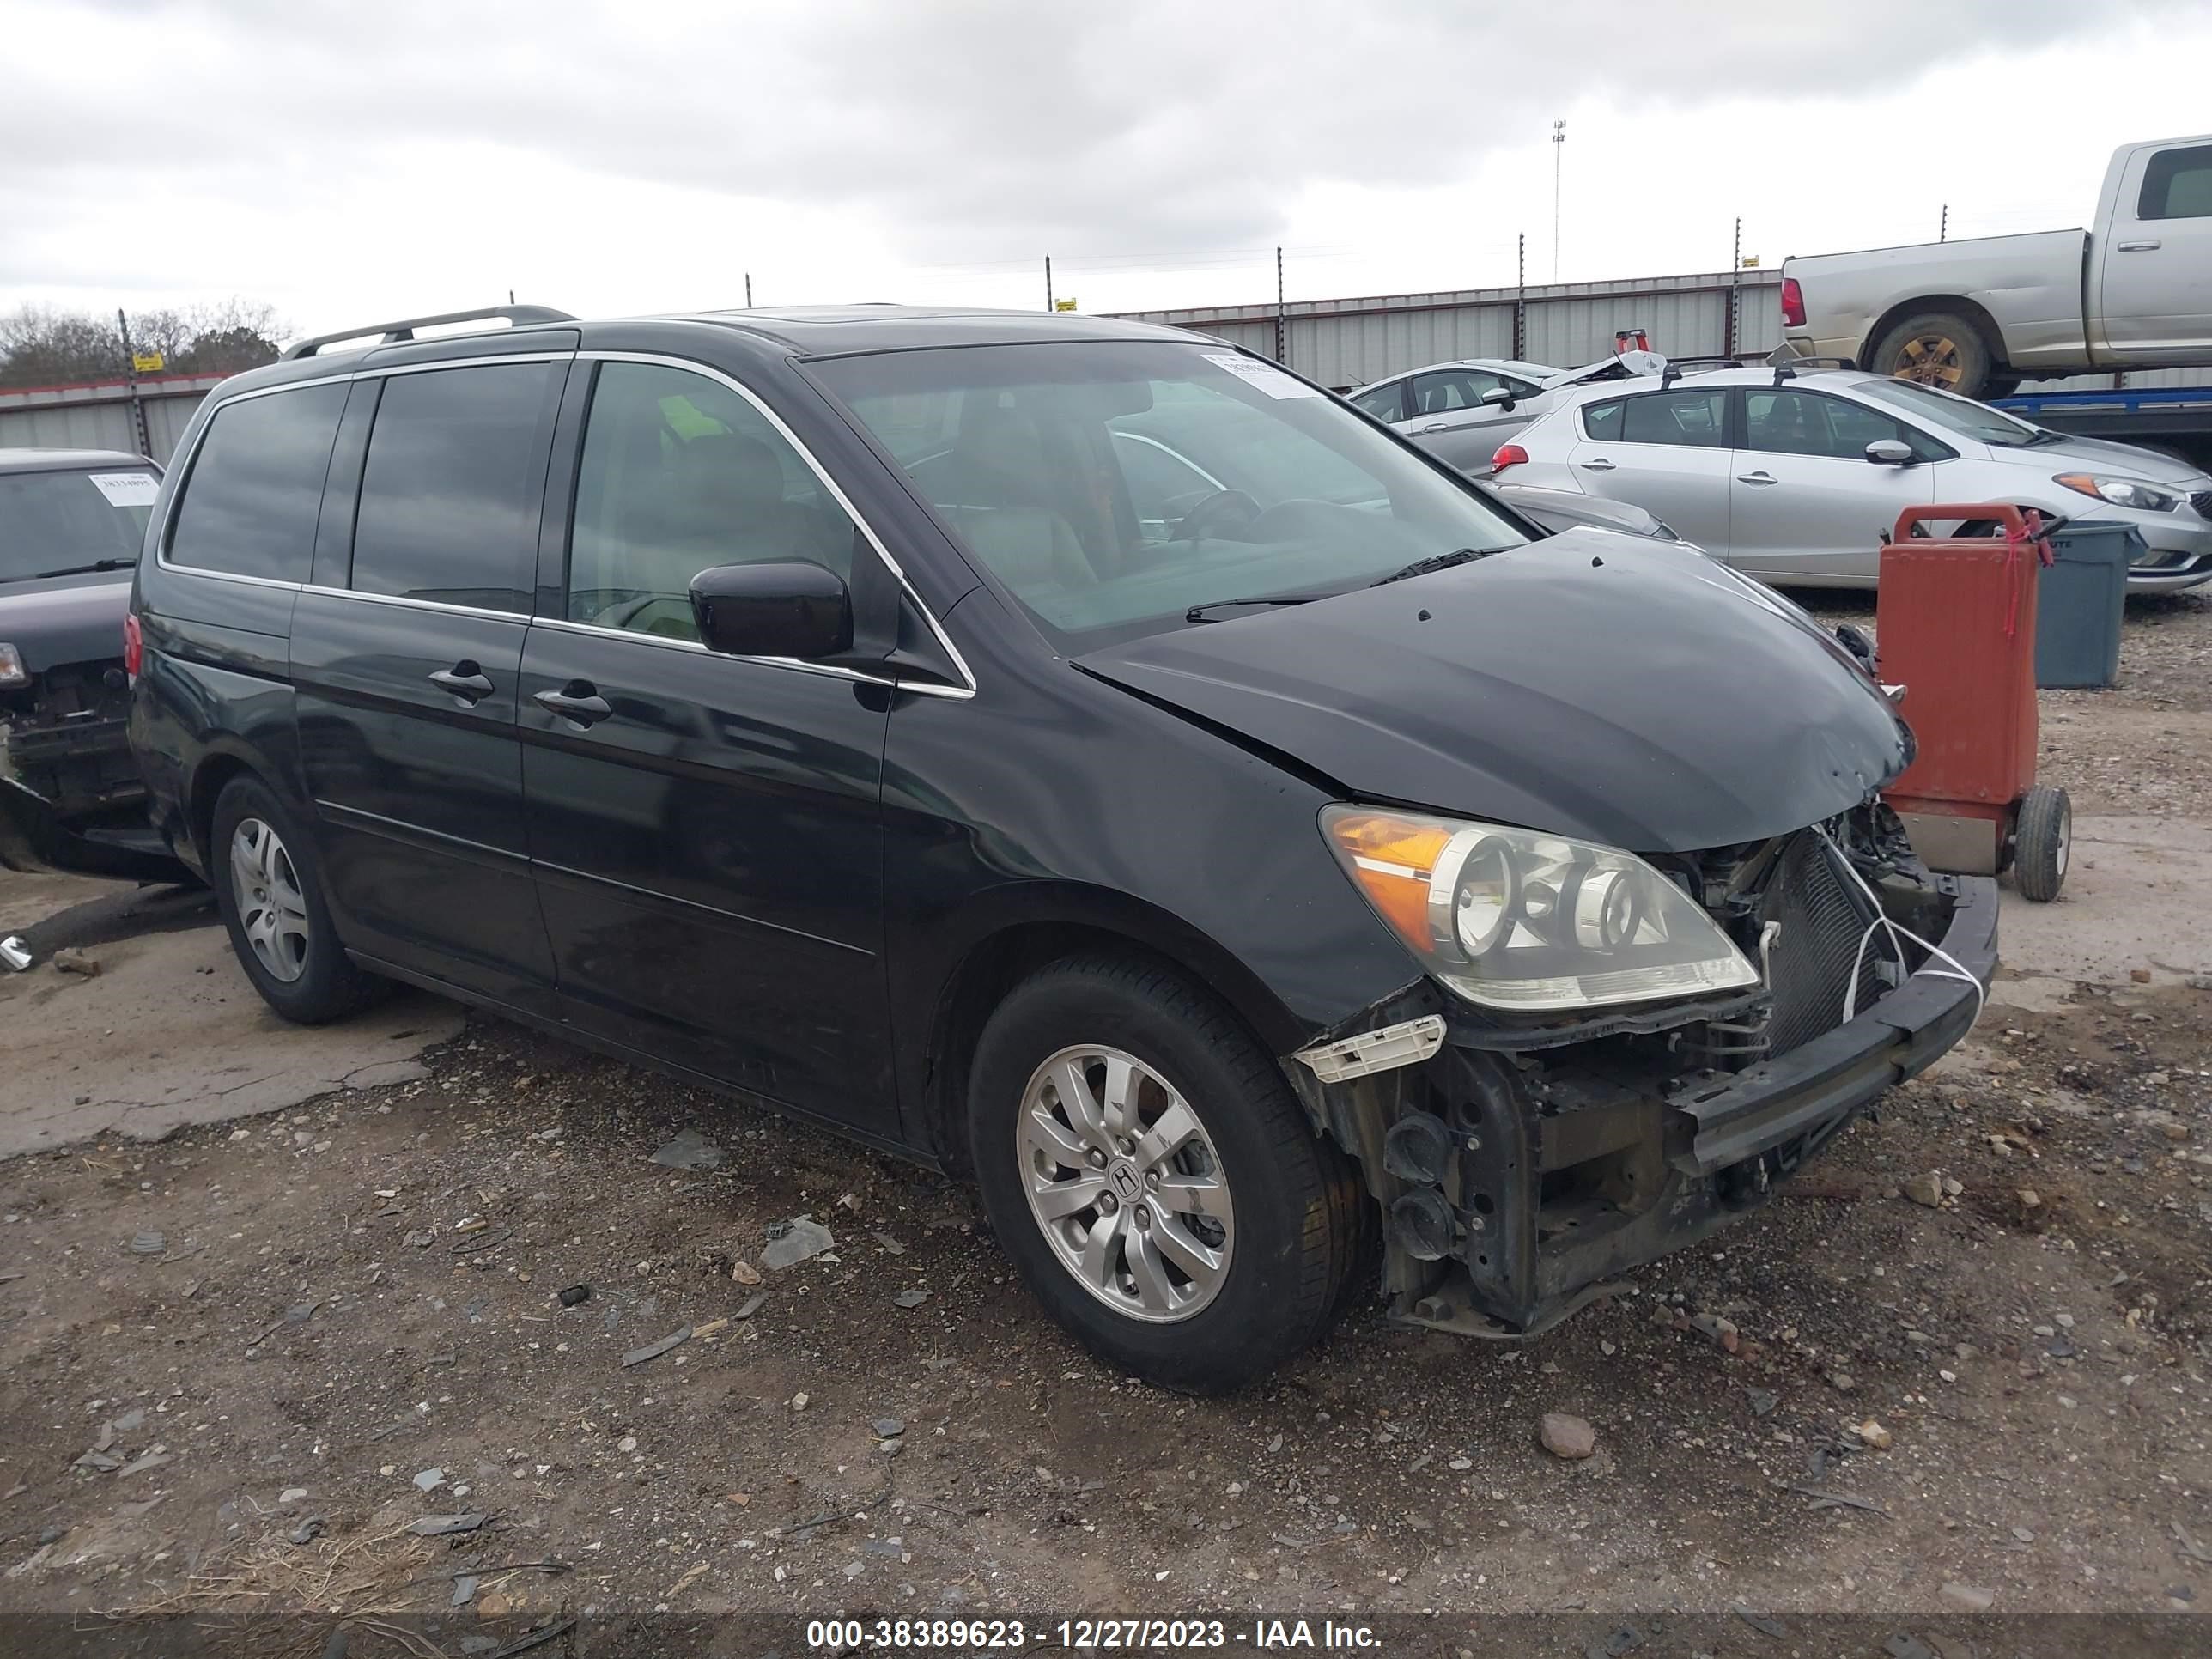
pixel 2080 602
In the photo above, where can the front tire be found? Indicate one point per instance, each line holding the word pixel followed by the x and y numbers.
pixel 1939 348
pixel 1149 1172
pixel 269 888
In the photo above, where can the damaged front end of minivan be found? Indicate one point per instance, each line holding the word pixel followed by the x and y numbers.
pixel 1524 1157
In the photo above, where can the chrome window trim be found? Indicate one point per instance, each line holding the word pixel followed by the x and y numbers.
pixel 160 529
pixel 831 670
pixel 519 619
pixel 822 475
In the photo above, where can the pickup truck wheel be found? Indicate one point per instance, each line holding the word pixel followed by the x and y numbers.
pixel 1938 348
pixel 1150 1174
pixel 268 889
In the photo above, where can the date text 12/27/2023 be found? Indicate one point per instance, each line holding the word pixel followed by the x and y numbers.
pixel 1151 1636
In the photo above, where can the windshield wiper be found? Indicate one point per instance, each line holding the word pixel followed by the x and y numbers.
pixel 1197 612
pixel 1437 562
pixel 2043 435
pixel 86 570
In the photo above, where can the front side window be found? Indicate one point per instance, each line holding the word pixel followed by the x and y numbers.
pixel 255 491
pixel 680 474
pixel 1784 423
pixel 1112 486
pixel 1452 389
pixel 1699 419
pixel 67 524
pixel 2178 185
pixel 451 488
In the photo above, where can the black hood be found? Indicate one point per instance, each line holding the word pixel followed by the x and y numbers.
pixel 64 619
pixel 1632 693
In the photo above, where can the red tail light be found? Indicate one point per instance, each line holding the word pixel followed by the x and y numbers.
pixel 1793 303
pixel 1507 455
pixel 134 644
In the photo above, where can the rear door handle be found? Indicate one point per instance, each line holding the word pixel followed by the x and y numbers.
pixel 2138 247
pixel 465 681
pixel 1756 478
pixel 579 700
pixel 1438 426
pixel 1601 464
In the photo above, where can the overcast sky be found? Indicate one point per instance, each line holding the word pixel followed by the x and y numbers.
pixel 353 162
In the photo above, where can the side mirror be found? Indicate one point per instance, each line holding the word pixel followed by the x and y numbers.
pixel 1889 452
pixel 1498 397
pixel 793 609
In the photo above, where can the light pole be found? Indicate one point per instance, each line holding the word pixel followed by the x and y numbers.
pixel 1559 149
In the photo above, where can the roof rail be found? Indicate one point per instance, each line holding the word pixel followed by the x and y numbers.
pixel 394 333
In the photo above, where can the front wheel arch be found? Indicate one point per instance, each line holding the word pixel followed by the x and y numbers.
pixel 1985 326
pixel 994 963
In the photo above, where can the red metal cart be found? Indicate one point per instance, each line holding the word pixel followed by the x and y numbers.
pixel 1954 623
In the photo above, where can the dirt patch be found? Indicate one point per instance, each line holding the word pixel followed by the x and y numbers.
pixel 349 1297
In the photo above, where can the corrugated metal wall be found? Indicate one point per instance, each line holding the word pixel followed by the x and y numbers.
pixel 1339 342
pixel 99 417
pixel 1347 342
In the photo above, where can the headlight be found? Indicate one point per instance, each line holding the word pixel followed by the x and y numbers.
pixel 2121 492
pixel 1514 920
pixel 12 671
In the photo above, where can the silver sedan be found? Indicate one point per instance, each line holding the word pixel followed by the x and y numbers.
pixel 1794 476
pixel 1460 412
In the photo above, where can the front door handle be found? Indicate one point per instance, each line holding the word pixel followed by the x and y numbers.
pixel 579 700
pixel 2138 247
pixel 1601 464
pixel 463 680
pixel 1756 478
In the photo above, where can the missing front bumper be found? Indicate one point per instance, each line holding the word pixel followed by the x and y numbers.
pixel 1514 1189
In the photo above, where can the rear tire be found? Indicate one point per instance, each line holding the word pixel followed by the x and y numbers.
pixel 269 887
pixel 2042 836
pixel 1939 348
pixel 1280 1217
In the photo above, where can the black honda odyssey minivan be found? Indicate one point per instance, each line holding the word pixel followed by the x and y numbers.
pixel 1078 755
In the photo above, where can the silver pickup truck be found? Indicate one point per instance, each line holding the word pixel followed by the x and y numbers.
pixel 1977 316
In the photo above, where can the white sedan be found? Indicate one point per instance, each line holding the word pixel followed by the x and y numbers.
pixel 1794 476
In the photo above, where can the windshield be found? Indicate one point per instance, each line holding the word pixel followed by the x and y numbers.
pixel 1112 486
pixel 55 521
pixel 1951 413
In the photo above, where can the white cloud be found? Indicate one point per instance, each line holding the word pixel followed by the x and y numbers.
pixel 351 162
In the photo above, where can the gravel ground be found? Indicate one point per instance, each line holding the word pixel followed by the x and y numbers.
pixel 238 1365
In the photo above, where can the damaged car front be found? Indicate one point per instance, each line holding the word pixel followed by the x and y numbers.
pixel 1550 872
pixel 70 526
pixel 1621 809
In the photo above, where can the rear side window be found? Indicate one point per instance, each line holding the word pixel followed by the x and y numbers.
pixel 1386 402
pixel 2178 185
pixel 256 486
pixel 452 486
pixel 1659 417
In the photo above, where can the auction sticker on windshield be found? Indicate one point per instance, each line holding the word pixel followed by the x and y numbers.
pixel 126 489
pixel 1269 379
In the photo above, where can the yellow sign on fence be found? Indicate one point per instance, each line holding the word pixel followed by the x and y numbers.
pixel 149 362
pixel 1063 304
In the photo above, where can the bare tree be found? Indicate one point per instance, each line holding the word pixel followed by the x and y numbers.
pixel 40 346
